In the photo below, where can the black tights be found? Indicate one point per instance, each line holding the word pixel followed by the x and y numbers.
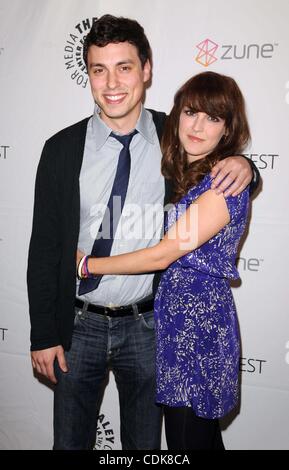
pixel 186 431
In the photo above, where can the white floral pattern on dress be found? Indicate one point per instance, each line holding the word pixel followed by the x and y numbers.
pixel 198 344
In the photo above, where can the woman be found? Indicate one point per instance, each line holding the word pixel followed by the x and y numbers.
pixel 197 330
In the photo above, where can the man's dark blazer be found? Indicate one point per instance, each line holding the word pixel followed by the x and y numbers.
pixel 56 221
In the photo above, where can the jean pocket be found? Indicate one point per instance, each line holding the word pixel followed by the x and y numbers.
pixel 148 320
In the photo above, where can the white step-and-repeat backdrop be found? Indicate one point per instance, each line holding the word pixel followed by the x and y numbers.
pixel 44 88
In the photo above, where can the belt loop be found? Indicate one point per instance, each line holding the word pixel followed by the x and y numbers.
pixel 136 313
pixel 84 307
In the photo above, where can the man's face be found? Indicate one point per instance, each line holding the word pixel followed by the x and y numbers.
pixel 117 83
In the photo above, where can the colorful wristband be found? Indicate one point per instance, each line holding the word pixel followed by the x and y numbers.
pixel 79 270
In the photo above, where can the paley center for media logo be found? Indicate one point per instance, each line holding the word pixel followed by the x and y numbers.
pixel 74 62
pixel 105 439
pixel 210 51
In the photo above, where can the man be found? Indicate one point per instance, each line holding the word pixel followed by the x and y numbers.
pixel 109 325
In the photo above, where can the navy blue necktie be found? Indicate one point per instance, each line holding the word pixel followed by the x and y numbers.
pixel 102 246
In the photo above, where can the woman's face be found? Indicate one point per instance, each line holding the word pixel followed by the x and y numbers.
pixel 199 133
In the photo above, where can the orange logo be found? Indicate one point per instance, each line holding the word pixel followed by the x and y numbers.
pixel 207 50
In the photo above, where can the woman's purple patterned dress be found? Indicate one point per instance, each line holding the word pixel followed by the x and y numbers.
pixel 198 343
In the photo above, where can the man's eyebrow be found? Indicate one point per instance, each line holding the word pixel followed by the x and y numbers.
pixel 127 61
pixel 122 62
pixel 96 64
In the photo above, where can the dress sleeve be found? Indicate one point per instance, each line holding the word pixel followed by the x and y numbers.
pixel 238 205
pixel 217 256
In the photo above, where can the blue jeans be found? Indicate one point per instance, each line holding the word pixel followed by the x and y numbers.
pixel 126 345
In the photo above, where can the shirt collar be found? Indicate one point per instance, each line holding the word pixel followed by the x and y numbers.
pixel 145 125
pixel 101 131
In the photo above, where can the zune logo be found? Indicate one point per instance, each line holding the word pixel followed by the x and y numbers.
pixel 208 49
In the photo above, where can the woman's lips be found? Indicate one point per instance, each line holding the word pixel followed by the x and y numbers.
pixel 193 138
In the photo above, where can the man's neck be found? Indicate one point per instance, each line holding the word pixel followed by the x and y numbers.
pixel 123 124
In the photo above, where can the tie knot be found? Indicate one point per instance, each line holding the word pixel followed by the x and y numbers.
pixel 125 140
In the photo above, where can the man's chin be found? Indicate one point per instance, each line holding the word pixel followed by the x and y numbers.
pixel 114 114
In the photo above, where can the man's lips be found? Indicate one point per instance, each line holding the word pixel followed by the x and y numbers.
pixel 114 99
pixel 193 138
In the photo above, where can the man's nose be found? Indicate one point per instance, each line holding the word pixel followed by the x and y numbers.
pixel 112 79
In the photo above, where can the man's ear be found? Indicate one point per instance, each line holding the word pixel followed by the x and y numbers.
pixel 147 69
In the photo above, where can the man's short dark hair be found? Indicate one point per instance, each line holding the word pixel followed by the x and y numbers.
pixel 111 29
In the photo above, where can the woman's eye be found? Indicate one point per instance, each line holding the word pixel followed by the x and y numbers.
pixel 189 112
pixel 213 118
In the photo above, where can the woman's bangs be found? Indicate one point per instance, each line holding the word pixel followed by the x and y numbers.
pixel 209 101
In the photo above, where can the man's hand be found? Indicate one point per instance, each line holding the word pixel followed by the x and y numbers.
pixel 235 172
pixel 43 361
